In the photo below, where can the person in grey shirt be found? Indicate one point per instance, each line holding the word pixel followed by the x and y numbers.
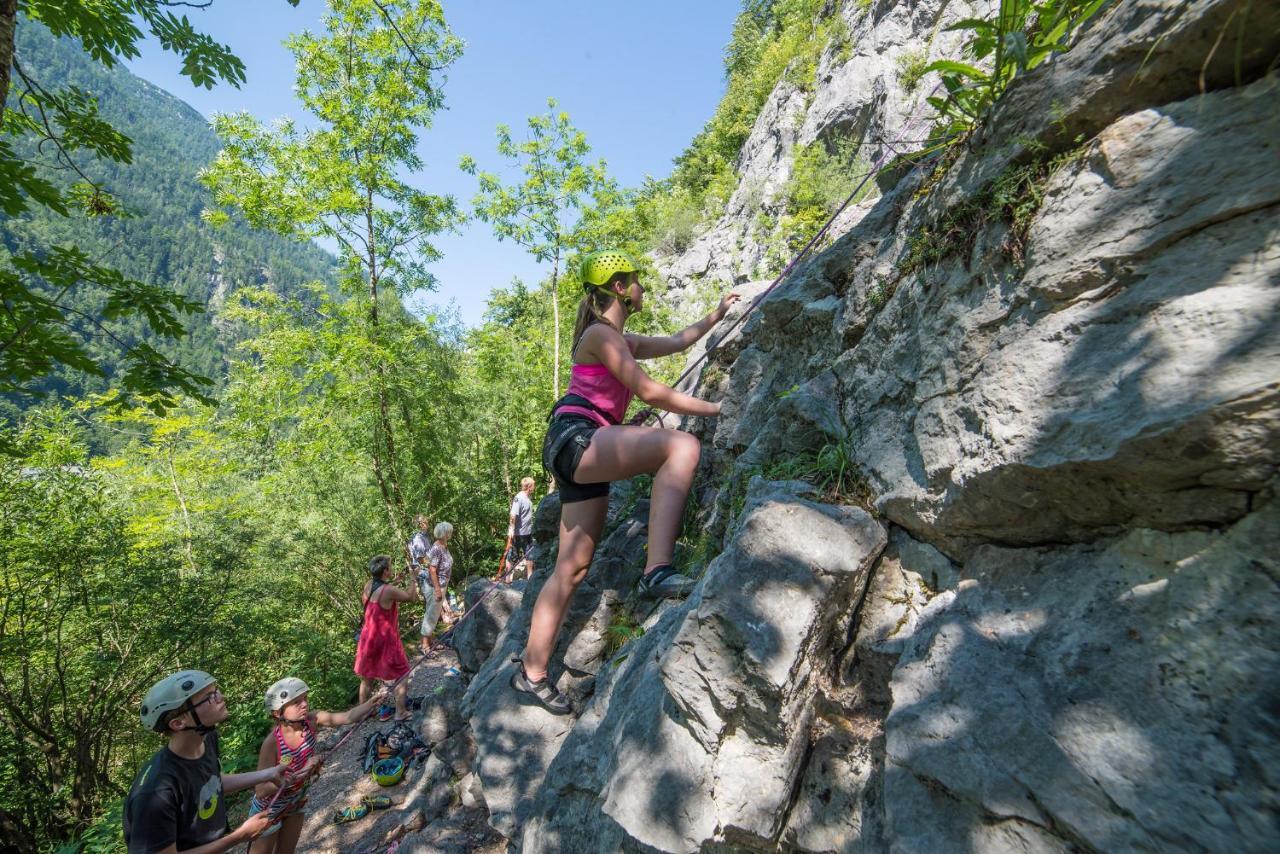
pixel 419 544
pixel 520 530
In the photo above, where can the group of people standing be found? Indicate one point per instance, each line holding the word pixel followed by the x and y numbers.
pixel 176 802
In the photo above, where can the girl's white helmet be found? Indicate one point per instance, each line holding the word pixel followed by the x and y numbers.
pixel 172 692
pixel 284 692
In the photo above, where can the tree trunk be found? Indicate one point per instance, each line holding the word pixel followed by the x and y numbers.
pixel 555 320
pixel 8 32
pixel 385 472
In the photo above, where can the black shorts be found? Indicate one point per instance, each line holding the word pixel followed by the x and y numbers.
pixel 521 544
pixel 565 463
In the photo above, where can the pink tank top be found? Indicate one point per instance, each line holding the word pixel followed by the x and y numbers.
pixel 596 384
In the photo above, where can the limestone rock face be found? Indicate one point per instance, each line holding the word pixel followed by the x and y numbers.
pixel 864 94
pixel 516 740
pixel 699 732
pixel 1089 394
pixel 1026 600
pixel 1057 689
pixel 489 611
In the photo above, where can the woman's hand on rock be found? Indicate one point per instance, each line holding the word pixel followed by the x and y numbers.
pixel 726 301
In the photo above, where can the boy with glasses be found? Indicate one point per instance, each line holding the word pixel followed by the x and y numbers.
pixel 176 803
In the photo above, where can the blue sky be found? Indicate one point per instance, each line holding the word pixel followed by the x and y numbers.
pixel 640 79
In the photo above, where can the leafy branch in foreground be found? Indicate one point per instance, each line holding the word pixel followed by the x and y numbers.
pixel 39 329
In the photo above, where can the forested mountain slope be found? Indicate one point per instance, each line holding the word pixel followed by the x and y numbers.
pixel 162 240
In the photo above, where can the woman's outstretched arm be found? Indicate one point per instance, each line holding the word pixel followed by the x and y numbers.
pixel 613 352
pixel 653 346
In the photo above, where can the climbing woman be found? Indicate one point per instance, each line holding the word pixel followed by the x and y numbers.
pixel 379 652
pixel 586 447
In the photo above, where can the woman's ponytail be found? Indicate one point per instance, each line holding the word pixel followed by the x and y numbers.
pixel 590 310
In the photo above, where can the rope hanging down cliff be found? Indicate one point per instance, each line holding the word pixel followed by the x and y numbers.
pixel 876 167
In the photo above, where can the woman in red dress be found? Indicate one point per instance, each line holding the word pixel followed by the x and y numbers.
pixel 380 652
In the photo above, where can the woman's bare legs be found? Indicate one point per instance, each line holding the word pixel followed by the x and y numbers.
pixel 615 453
pixel 366 688
pixel 580 525
pixel 671 456
pixel 265 844
pixel 401 690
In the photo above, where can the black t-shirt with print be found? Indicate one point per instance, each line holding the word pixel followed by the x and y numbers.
pixel 176 800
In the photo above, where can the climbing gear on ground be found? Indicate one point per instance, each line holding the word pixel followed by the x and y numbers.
pixel 599 267
pixel 284 692
pixel 385 712
pixel 663 582
pixel 542 690
pixel 388 772
pixel 350 814
pixel 400 739
pixel 376 802
pixel 175 692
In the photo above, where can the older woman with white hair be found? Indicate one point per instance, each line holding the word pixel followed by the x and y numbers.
pixel 434 581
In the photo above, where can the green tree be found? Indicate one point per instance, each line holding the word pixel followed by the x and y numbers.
pixel 91 617
pixel 372 82
pixel 540 212
pixel 39 327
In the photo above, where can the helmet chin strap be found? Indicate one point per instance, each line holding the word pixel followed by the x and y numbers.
pixel 200 727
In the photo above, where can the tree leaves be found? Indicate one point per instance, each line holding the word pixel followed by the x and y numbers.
pixel 39 331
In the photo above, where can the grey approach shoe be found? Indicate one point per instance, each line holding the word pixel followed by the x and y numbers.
pixel 542 690
pixel 663 582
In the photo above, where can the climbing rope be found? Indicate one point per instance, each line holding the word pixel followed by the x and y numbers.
pixel 813 241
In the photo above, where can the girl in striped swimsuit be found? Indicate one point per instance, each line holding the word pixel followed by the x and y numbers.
pixel 293 740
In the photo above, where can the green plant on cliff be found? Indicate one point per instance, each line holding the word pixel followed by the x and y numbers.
pixel 1014 198
pixel 911 68
pixel 622 629
pixel 1022 35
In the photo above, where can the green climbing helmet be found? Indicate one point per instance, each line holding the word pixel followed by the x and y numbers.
pixel 599 267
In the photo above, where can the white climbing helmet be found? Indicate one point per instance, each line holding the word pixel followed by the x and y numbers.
pixel 285 692
pixel 172 692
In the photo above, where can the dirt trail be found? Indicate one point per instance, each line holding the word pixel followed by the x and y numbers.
pixel 343 782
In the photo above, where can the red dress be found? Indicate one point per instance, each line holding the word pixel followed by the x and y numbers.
pixel 379 652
